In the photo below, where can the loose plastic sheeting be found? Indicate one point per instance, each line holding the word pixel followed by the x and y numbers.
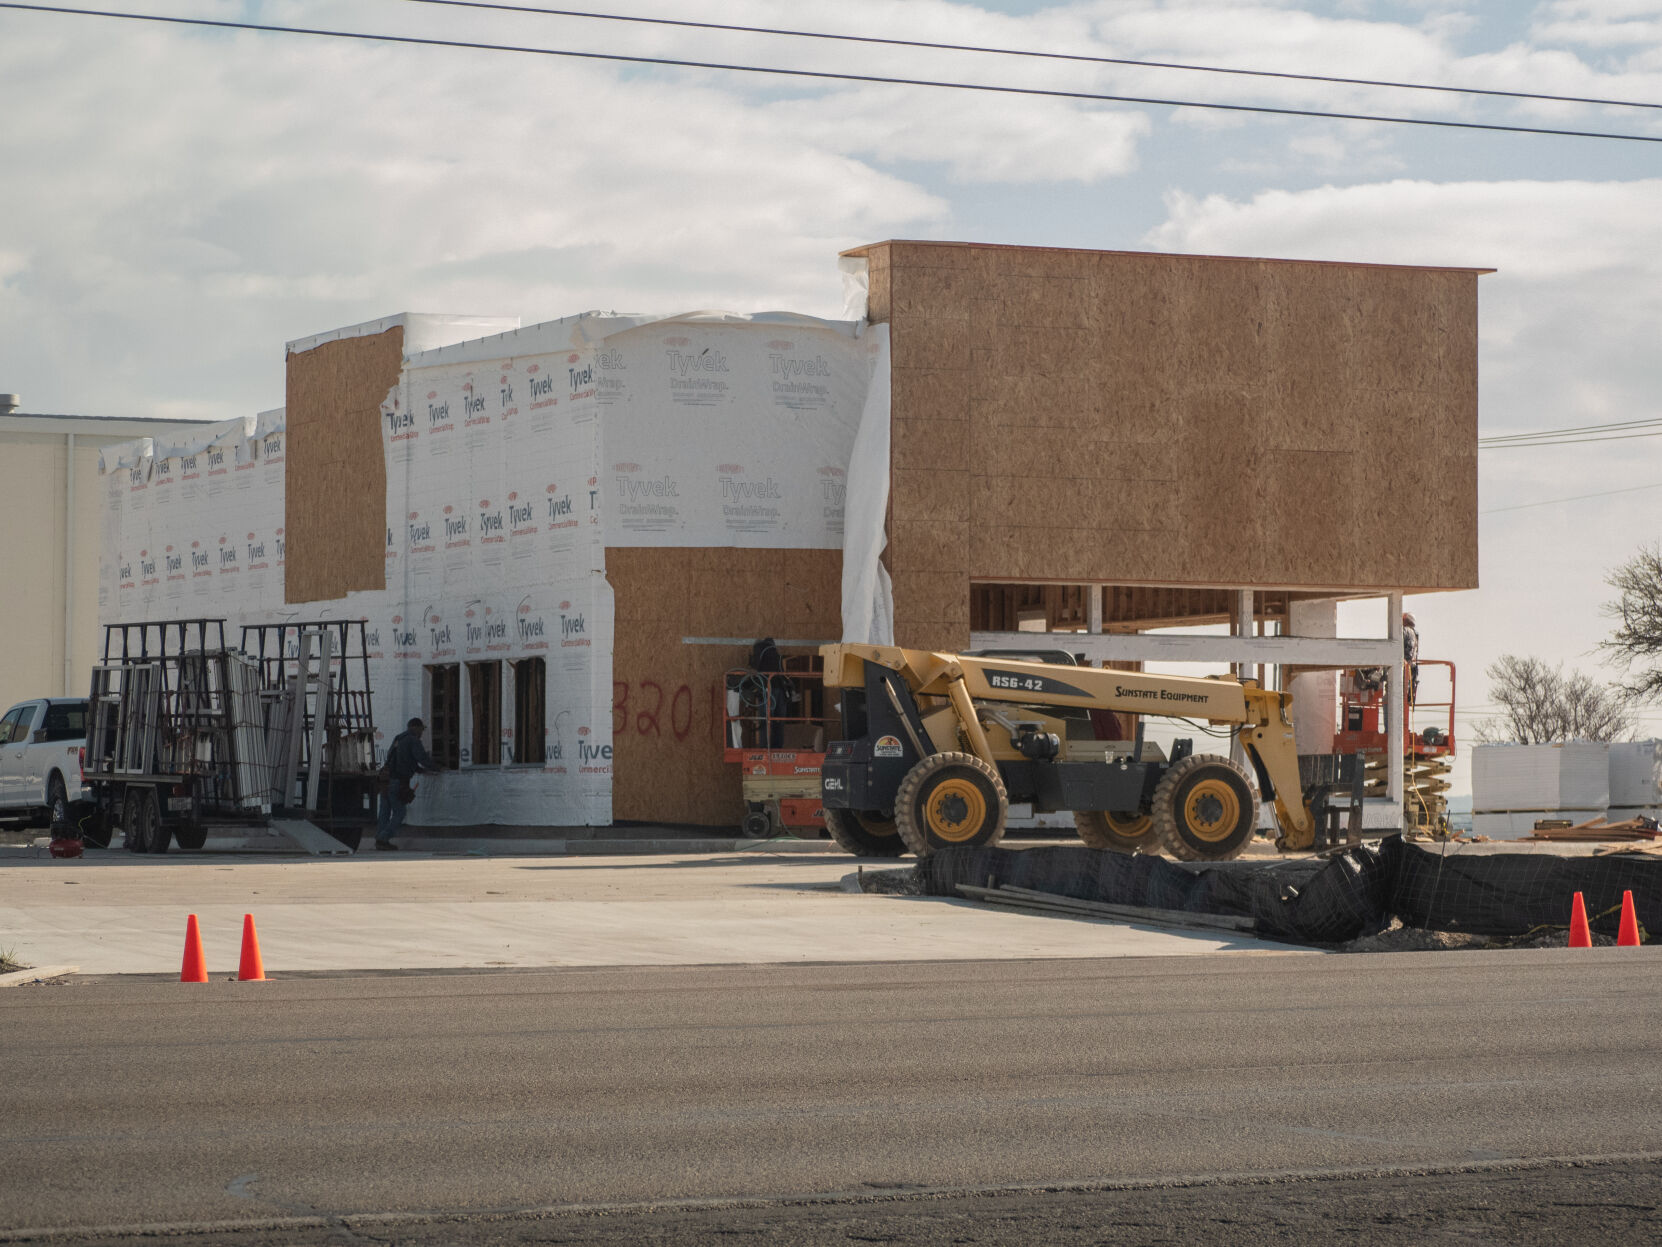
pixel 1353 894
pixel 512 463
pixel 1573 775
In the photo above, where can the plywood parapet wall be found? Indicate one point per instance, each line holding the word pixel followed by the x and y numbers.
pixel 668 696
pixel 335 501
pixel 1075 416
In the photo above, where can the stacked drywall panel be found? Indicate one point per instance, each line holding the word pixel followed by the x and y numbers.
pixel 1514 786
pixel 1635 779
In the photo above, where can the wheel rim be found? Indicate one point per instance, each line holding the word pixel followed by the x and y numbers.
pixel 1130 825
pixel 1211 810
pixel 955 810
pixel 876 826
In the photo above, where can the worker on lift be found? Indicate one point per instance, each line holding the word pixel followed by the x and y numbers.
pixel 1411 655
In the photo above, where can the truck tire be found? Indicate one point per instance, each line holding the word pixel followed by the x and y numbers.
pixel 1205 809
pixel 93 824
pixel 135 837
pixel 1121 832
pixel 190 837
pixel 57 806
pixel 864 833
pixel 143 822
pixel 950 799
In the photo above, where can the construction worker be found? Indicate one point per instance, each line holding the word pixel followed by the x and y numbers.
pixel 1411 654
pixel 406 759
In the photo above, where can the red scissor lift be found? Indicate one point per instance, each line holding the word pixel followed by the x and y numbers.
pixel 775 728
pixel 1428 739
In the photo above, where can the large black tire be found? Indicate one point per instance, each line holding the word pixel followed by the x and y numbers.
pixel 190 837
pixel 864 833
pixel 161 835
pixel 1124 833
pixel 135 835
pixel 57 806
pixel 950 799
pixel 143 822
pixel 1205 809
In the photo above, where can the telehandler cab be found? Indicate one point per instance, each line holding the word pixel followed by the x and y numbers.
pixel 935 746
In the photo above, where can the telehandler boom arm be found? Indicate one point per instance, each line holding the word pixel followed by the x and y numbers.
pixel 971 683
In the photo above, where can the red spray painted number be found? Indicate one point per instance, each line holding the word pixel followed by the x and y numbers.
pixel 641 707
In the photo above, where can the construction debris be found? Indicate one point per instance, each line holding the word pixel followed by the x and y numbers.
pixel 1027 898
pixel 1597 830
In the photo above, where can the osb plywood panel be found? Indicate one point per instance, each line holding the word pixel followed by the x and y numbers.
pixel 335 509
pixel 668 696
pixel 1174 420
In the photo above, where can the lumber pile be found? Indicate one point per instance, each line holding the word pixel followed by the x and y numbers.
pixel 1597 830
pixel 1050 902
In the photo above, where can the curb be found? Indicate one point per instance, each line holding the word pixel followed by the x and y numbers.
pixel 18 978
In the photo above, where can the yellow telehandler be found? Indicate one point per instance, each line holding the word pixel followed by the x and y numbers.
pixel 935 746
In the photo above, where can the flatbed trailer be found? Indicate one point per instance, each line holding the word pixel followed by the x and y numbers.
pixel 186 733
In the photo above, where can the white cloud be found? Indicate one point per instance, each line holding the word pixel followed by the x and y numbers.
pixel 981 138
pixel 204 199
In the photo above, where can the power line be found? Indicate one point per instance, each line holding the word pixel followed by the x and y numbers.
pixel 1497 438
pixel 828 75
pixel 1547 502
pixel 1566 441
pixel 1029 53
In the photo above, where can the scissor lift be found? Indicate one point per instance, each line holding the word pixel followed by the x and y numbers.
pixel 775 728
pixel 1428 740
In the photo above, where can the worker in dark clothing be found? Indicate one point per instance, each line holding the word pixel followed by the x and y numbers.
pixel 1411 655
pixel 765 658
pixel 406 759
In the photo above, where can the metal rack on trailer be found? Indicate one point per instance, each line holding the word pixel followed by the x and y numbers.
pixel 185 732
pixel 324 764
pixel 174 740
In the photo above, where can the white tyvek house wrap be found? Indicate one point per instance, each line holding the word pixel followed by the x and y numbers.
pixel 511 463
pixel 868 600
pixel 495 551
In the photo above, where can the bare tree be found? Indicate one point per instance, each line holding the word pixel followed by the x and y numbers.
pixel 1539 704
pixel 1636 644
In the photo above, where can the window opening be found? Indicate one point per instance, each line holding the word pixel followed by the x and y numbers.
pixel 530 709
pixel 484 685
pixel 444 700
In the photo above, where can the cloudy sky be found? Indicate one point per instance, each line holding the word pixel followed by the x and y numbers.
pixel 178 202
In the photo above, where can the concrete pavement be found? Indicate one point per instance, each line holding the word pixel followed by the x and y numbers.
pixel 112 913
pixel 359 1104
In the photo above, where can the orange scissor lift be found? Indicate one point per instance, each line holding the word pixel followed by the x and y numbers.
pixel 776 725
pixel 1428 740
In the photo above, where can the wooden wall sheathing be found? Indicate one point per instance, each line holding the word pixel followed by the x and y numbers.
pixel 335 500
pixel 668 696
pixel 1101 416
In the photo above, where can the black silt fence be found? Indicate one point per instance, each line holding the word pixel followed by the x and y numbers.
pixel 1352 894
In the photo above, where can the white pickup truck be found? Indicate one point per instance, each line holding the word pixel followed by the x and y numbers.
pixel 40 761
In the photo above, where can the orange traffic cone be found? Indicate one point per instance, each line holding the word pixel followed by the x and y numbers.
pixel 195 967
pixel 1580 936
pixel 1628 937
pixel 252 968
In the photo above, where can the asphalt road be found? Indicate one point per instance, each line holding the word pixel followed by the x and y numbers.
pixel 912 1102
